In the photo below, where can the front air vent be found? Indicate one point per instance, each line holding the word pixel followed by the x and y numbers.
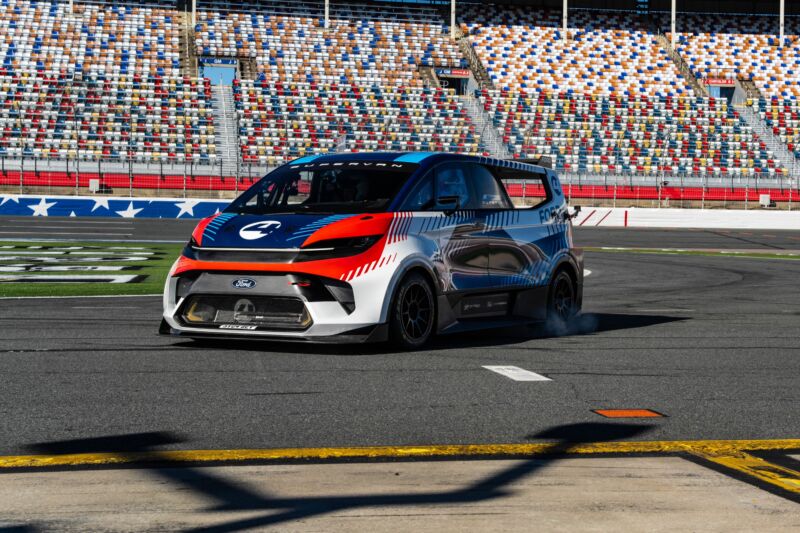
pixel 268 313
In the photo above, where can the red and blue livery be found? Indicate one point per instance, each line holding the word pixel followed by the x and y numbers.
pixel 377 246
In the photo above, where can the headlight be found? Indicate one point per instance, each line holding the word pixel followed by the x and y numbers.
pixel 358 244
pixel 188 250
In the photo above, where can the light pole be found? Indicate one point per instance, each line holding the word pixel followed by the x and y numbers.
pixel 672 24
pixel 782 20
pixel 452 18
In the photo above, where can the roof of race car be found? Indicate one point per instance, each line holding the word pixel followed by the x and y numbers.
pixel 414 157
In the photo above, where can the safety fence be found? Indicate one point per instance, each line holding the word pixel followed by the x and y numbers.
pixel 195 181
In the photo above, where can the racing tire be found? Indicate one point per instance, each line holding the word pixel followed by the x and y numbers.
pixel 562 302
pixel 413 313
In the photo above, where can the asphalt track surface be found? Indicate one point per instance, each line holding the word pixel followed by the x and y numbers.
pixel 710 342
pixel 158 230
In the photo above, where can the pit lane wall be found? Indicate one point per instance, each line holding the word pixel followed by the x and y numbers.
pixel 172 208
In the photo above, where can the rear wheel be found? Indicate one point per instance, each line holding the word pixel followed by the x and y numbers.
pixel 413 312
pixel 562 305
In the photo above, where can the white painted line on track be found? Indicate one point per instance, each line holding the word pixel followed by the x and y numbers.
pixel 48 227
pixel 69 297
pixel 137 241
pixel 93 307
pixel 516 373
pixel 664 310
pixel 586 272
pixel 68 252
pixel 38 232
pixel 25 277
pixel 63 220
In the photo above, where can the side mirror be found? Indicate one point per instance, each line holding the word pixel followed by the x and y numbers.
pixel 576 212
pixel 449 204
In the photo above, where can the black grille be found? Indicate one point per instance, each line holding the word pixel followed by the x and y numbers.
pixel 244 256
pixel 245 312
pixel 272 256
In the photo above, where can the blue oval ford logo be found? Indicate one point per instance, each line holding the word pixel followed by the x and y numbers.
pixel 244 283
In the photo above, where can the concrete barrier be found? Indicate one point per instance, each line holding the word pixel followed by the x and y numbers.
pixel 688 218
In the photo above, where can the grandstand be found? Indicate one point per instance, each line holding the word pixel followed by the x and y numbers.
pixel 525 50
pixel 122 93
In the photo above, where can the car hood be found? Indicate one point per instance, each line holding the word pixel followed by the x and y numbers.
pixel 282 231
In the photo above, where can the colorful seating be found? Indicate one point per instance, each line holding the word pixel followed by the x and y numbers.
pixel 281 121
pixel 642 136
pixel 783 118
pixel 57 37
pixel 289 43
pixel 525 50
pixel 742 47
pixel 146 119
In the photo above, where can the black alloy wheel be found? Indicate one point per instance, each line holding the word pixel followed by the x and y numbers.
pixel 562 298
pixel 413 312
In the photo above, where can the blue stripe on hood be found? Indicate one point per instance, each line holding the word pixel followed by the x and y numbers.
pixel 293 229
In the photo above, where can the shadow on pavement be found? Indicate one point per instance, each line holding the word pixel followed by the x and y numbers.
pixel 584 324
pixel 228 495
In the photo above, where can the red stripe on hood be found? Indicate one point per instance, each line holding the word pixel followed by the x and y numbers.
pixel 355 226
pixel 197 234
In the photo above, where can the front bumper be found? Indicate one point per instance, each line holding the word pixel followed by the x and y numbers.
pixel 278 306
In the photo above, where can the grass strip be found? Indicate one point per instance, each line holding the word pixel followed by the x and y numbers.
pixel 152 268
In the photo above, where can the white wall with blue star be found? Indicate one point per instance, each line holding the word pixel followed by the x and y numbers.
pixel 79 206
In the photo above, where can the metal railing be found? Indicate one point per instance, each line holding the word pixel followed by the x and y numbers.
pixel 72 177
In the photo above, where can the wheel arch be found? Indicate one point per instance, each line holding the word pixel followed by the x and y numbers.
pixel 413 264
pixel 574 270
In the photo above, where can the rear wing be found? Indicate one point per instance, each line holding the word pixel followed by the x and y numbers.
pixel 543 161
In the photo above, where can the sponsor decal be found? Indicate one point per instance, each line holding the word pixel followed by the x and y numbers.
pixel 493 305
pixel 258 230
pixel 556 185
pixel 724 82
pixel 453 72
pixel 351 164
pixel 243 283
pixel 237 326
pixel 218 61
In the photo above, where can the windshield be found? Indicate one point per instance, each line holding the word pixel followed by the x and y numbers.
pixel 327 187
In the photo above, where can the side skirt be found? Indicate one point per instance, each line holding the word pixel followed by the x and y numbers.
pixel 490 309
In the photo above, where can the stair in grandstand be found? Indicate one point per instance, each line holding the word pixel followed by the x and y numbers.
pixel 187 47
pixel 226 132
pixel 751 89
pixel 248 69
pixel 490 137
pixel 428 76
pixel 683 67
pixel 773 142
pixel 475 63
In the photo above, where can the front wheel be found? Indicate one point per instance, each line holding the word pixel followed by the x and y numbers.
pixel 562 305
pixel 413 312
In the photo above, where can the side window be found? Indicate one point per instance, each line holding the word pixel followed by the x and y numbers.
pixel 526 189
pixel 489 194
pixel 451 180
pixel 421 196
